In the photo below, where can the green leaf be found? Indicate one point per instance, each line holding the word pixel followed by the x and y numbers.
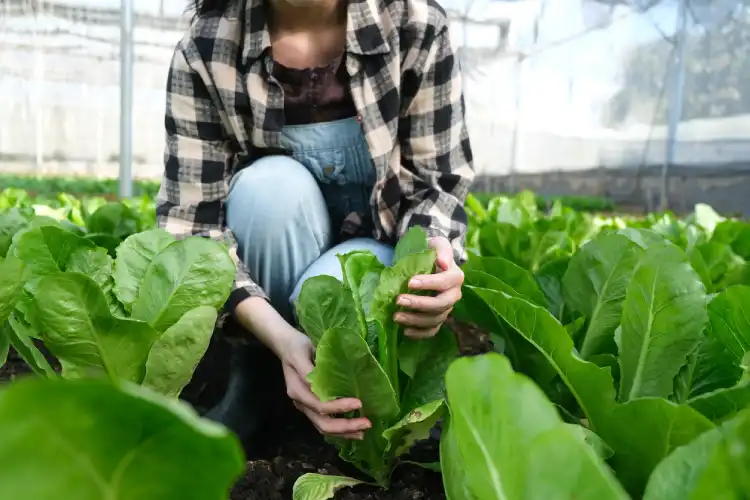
pixel 11 222
pixel 12 274
pixel 177 352
pixel 589 437
pixel 700 266
pixel 361 272
pixel 45 250
pixel 729 322
pixel 88 439
pixel 104 240
pixel 414 241
pixel 319 487
pixel 595 285
pixel 707 218
pixel 97 264
pixel 716 465
pixel 413 427
pixel 20 336
pixel 188 273
pixel 663 318
pixel 644 238
pixel 134 256
pixel 4 343
pixel 719 259
pixel 516 277
pixel 711 367
pixel 113 219
pixel 394 282
pixel 482 279
pixel 591 385
pixel 642 432
pixel 345 368
pixel 550 279
pixel 723 404
pixel 94 263
pixel 79 329
pixel 324 304
pixel 427 361
pixel 455 480
pixel 511 441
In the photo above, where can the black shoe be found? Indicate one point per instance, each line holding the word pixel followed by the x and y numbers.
pixel 253 388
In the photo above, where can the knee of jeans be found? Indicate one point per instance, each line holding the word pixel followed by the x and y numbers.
pixel 277 190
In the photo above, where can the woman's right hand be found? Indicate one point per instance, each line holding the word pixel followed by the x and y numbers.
pixel 296 359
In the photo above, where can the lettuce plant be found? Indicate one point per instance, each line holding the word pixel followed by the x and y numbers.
pixel 145 316
pixel 633 339
pixel 91 439
pixel 506 440
pixel 361 352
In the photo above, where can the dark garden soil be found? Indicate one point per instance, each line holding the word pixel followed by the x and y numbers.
pixel 294 448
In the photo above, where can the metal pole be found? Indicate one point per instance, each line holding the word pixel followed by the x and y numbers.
pixel 38 94
pixel 676 101
pixel 126 99
pixel 514 149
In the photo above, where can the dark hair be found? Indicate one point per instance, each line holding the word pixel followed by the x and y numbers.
pixel 200 7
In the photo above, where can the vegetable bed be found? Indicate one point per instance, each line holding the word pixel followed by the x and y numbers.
pixel 609 360
pixel 294 449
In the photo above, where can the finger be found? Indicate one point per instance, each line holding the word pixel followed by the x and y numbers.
pixel 438 304
pixel 444 252
pixel 440 282
pixel 420 320
pixel 352 435
pixel 303 395
pixel 303 365
pixel 421 333
pixel 337 426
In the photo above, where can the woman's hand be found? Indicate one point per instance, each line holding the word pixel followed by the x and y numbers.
pixel 296 360
pixel 427 314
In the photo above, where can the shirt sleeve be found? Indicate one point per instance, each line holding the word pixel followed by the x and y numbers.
pixel 437 169
pixel 197 165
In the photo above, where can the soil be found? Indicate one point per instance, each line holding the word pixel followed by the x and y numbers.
pixel 294 448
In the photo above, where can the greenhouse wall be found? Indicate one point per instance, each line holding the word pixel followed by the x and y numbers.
pixel 562 96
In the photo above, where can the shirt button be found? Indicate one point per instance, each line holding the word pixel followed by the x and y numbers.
pixel 359 118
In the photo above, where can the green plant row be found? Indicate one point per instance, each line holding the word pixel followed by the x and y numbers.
pixel 85 186
pixel 78 186
pixel 621 363
pixel 581 203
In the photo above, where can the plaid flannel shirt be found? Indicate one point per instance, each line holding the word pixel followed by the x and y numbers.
pixel 406 86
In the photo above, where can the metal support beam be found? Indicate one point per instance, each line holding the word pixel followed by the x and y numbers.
pixel 676 100
pixel 126 99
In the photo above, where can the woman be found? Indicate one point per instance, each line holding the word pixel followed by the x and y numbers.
pixel 302 129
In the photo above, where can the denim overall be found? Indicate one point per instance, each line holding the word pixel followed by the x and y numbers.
pixel 337 155
pixel 286 231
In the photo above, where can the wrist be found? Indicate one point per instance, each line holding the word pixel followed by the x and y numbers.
pixel 284 339
pixel 259 317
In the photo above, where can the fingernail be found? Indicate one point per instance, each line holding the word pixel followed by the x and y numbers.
pixel 403 301
pixel 355 406
pixel 415 283
pixel 361 436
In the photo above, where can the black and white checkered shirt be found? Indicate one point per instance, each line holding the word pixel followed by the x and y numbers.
pixel 406 86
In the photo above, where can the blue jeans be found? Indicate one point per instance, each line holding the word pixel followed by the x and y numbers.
pixel 286 211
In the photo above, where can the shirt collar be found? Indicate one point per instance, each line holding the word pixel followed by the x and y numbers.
pixel 365 34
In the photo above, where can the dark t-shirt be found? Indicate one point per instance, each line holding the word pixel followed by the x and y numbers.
pixel 315 95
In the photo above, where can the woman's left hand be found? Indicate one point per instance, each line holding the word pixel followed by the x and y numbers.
pixel 426 314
